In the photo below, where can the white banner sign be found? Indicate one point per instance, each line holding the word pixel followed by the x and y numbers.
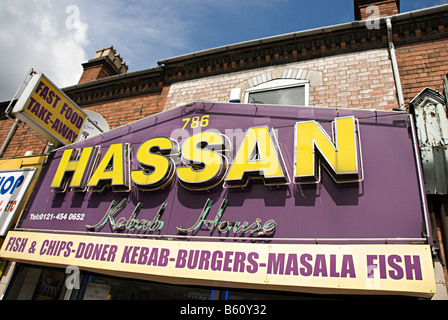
pixel 13 187
pixel 352 269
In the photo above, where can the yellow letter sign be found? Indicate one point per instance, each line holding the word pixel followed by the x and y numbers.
pixel 203 153
pixel 74 169
pixel 157 168
pixel 258 157
pixel 339 153
pixel 113 169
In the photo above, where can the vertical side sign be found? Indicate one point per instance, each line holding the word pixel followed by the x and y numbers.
pixel 13 187
pixel 47 109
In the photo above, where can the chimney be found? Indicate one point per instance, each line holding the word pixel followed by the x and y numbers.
pixel 105 63
pixel 384 8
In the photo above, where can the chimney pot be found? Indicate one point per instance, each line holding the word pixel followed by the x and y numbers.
pixel 105 63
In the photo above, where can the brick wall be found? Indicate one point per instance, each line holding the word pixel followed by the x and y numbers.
pixel 22 141
pixel 422 65
pixel 122 111
pixel 385 8
pixel 94 73
pixel 354 80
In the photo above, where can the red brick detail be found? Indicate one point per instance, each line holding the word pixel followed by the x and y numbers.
pixel 385 8
pixel 357 80
pixel 94 73
pixel 422 65
pixel 123 111
pixel 22 141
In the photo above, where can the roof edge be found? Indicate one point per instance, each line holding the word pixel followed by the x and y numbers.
pixel 303 33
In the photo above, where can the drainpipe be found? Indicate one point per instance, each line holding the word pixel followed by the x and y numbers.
pixel 393 58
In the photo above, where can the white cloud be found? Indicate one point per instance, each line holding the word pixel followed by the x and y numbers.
pixel 40 34
pixel 35 34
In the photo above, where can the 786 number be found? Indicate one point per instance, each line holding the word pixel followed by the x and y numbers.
pixel 196 121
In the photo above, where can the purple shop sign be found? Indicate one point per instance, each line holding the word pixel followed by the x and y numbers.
pixel 385 204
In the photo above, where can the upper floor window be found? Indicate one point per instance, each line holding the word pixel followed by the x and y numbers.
pixel 279 91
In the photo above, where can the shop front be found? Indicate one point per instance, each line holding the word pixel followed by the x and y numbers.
pixel 225 201
pixel 18 176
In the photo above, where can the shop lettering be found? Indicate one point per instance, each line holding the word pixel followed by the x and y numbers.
pixel 232 261
pixel 10 184
pixel 132 222
pixel 47 94
pixel 394 267
pixel 226 226
pixel 16 244
pixel 204 164
pixel 322 266
pixel 99 252
pixel 64 130
pixel 145 255
pixel 55 248
pixel 10 206
pixel 43 106
pixel 72 115
pixel 39 111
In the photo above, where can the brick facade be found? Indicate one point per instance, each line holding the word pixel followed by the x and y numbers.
pixel 422 65
pixel 24 139
pixel 384 8
pixel 94 73
pixel 121 111
pixel 357 80
pixel 105 63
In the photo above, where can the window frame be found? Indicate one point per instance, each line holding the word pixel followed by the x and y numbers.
pixel 277 84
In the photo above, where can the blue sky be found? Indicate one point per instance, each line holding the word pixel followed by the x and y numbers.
pixel 186 26
pixel 56 36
